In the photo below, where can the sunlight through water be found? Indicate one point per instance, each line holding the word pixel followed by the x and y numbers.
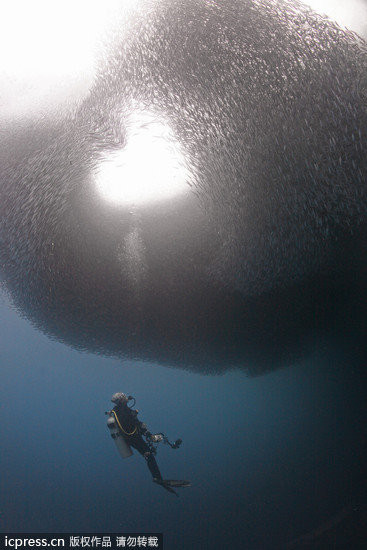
pixel 50 50
pixel 150 167
pixel 351 14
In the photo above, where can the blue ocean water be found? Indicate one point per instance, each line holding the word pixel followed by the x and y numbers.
pixel 269 458
pixel 269 107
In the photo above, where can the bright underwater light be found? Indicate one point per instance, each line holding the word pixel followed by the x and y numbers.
pixel 347 13
pixel 149 168
pixel 50 49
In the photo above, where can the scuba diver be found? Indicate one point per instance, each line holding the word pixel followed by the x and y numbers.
pixel 127 431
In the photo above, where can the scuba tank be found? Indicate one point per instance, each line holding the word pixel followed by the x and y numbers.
pixel 122 446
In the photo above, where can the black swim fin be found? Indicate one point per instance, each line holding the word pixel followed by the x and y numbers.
pixel 163 484
pixel 177 483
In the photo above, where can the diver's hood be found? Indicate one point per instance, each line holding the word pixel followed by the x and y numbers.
pixel 119 397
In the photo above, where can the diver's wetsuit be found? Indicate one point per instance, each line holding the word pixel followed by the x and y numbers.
pixel 131 425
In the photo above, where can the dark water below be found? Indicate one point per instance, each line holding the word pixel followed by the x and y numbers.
pixel 270 458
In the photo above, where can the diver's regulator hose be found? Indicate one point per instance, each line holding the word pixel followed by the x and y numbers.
pixel 151 438
pixel 121 428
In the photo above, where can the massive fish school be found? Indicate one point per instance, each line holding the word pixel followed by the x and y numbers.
pixel 264 104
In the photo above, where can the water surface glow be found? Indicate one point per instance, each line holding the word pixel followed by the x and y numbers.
pixel 149 168
pixel 351 14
